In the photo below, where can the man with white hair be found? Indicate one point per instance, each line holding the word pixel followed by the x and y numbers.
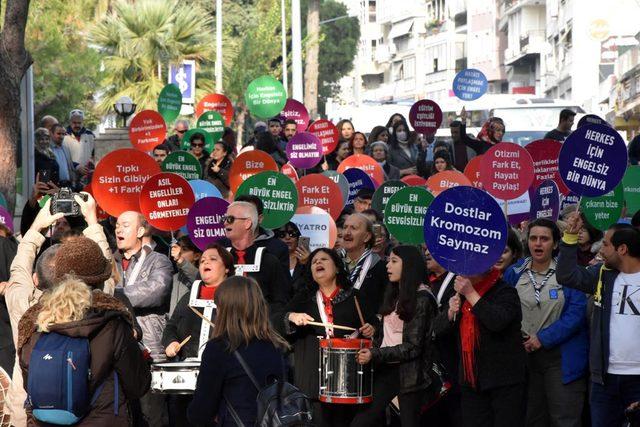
pixel 240 224
pixel 175 141
pixel 81 144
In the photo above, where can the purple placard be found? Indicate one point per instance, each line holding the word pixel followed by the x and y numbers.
pixel 304 151
pixel 295 110
pixel 5 218
pixel 357 180
pixel 204 221
pixel 593 160
pixel 545 202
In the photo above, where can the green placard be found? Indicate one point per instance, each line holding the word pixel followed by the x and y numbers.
pixel 404 214
pixel 278 194
pixel 183 164
pixel 3 201
pixel 383 193
pixel 208 139
pixel 603 211
pixel 170 102
pixel 265 97
pixel 631 184
pixel 212 122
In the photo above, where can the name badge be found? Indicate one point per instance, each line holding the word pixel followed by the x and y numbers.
pixel 553 293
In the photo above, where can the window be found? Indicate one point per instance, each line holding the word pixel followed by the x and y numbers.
pixel 435 65
pixel 409 67
pixel 372 10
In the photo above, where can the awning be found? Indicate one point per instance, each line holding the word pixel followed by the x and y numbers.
pixel 402 28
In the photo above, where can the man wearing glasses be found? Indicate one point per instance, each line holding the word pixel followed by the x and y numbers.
pixel 175 140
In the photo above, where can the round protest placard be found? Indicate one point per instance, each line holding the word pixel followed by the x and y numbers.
pixel 277 193
pixel 265 97
pixel 295 110
pixel 317 225
pixel 366 164
pixel 441 181
pixel 414 180
pixel 506 171
pixel 204 221
pixel 212 122
pixel 342 182
pixel 470 84
pixel 327 133
pixel 289 171
pixel 100 213
pixel 404 214
pixel 202 189
pixel 165 200
pixel 569 199
pixel 593 160
pixel 545 153
pixel 465 230
pixel 304 151
pixel 545 202
pixel 358 180
pixel 170 102
pixel 119 177
pixel 518 209
pixel 248 164
pixel 603 211
pixel 3 201
pixel 5 218
pixel 631 185
pixel 425 116
pixel 216 102
pixel 384 192
pixel 472 171
pixel 591 119
pixel 183 164
pixel 320 190
pixel 208 139
pixel 146 130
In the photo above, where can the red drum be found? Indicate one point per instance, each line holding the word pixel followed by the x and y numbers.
pixel 342 378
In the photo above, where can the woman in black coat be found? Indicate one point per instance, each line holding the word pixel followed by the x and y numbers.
pixel 219 166
pixel 327 285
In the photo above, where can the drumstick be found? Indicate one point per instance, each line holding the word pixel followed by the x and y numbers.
pixel 186 340
pixel 359 311
pixel 329 325
pixel 202 317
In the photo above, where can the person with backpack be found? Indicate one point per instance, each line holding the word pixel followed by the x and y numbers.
pixel 79 342
pixel 244 355
pixel 402 352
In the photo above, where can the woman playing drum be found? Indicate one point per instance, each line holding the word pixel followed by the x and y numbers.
pixel 327 297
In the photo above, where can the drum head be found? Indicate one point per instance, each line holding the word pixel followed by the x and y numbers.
pixel 345 343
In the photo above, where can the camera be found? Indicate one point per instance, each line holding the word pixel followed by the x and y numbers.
pixel 63 202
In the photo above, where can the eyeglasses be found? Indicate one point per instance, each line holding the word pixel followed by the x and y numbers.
pixel 230 219
pixel 180 131
pixel 281 234
pixel 195 144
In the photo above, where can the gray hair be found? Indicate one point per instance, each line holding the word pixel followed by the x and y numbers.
pixel 44 267
pixel 76 113
pixel 369 226
pixel 47 120
pixel 251 212
pixel 182 122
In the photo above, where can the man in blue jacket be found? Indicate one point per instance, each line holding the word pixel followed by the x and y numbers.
pixel 614 357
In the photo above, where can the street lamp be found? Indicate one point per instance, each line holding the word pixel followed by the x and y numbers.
pixel 124 107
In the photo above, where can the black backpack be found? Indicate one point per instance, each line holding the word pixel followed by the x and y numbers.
pixel 279 403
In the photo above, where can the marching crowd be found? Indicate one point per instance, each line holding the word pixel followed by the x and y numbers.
pixel 547 337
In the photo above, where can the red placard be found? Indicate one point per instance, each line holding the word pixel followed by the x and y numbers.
pixel 216 102
pixel 100 213
pixel 296 111
pixel 146 130
pixel 545 153
pixel 289 171
pixel 165 201
pixel 248 164
pixel 320 191
pixel 327 133
pixel 425 116
pixel 506 171
pixel 414 181
pixel 472 171
pixel 444 180
pixel 119 177
pixel 366 164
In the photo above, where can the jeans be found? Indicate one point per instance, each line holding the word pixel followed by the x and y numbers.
pixel 609 401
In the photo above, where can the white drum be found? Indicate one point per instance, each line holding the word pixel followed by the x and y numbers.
pixel 174 378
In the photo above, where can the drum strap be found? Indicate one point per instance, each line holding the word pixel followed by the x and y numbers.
pixel 323 314
pixel 243 269
pixel 208 306
pixel 136 268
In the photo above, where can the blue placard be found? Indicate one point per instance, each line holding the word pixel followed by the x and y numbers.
pixel 545 202
pixel 202 189
pixel 593 160
pixel 465 230
pixel 592 119
pixel 358 180
pixel 184 76
pixel 470 84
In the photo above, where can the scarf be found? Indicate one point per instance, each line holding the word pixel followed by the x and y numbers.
pixel 469 329
pixel 44 147
pixel 486 134
pixel 353 275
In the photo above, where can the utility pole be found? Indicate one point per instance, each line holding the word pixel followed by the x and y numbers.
pixel 218 66
pixel 285 72
pixel 296 51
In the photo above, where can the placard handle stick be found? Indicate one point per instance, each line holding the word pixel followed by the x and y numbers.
pixel 506 209
pixel 359 310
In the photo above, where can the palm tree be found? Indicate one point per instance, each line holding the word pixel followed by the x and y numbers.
pixel 140 39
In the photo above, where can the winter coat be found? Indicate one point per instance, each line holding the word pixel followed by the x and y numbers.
pixel 221 178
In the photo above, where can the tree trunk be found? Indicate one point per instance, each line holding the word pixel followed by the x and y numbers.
pixel 311 60
pixel 240 121
pixel 14 62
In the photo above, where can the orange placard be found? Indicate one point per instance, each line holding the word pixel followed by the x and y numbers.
pixel 414 181
pixel 366 164
pixel 146 130
pixel 289 171
pixel 165 200
pixel 472 171
pixel 320 191
pixel 446 179
pixel 119 177
pixel 216 102
pixel 248 164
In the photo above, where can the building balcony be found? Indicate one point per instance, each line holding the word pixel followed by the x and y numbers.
pixel 531 42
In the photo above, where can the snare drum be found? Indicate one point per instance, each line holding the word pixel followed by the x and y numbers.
pixel 174 378
pixel 342 378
